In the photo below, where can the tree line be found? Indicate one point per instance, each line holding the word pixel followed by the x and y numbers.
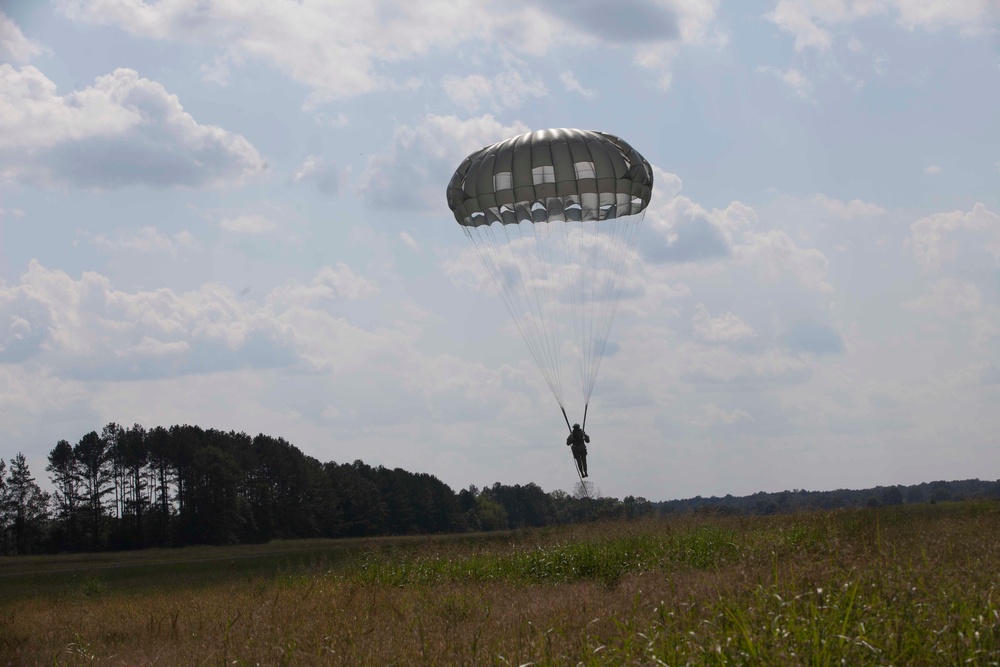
pixel 132 488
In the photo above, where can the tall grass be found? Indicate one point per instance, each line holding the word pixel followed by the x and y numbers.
pixel 901 586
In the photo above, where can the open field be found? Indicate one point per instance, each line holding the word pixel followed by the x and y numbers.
pixel 908 585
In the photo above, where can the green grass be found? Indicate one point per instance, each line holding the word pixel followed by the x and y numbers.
pixel 912 585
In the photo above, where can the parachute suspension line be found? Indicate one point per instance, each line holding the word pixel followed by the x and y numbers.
pixel 501 275
pixel 621 241
pixel 586 405
pixel 566 418
pixel 541 287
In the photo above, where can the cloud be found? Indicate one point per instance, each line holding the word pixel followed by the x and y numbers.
pixel 14 46
pixel 969 16
pixel 815 337
pixel 506 90
pixel 409 241
pixel 854 208
pixel 691 233
pixel 795 17
pixel 144 240
pixel 940 238
pixel 570 83
pixel 949 298
pixel 323 175
pixel 725 328
pixel 776 256
pixel 347 48
pixel 409 174
pixel 248 224
pixel 85 328
pixel 123 130
pixel 932 170
pixel 795 80
pixel 809 21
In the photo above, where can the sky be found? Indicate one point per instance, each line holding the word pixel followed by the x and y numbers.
pixel 232 213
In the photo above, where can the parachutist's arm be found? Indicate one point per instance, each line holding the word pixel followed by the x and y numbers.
pixel 586 437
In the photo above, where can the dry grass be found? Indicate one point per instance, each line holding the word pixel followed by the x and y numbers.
pixel 902 586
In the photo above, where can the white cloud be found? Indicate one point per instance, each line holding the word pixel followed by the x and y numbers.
pixel 346 48
pixel 144 240
pixel 725 328
pixel 123 130
pixel 797 82
pixel 713 414
pixel 324 175
pixel 939 238
pixel 573 85
pixel 854 208
pixel 506 90
pixel 409 174
pixel 932 170
pixel 948 297
pixel 86 328
pixel 795 17
pixel 775 255
pixel 970 16
pixel 248 224
pixel 14 46
pixel 409 241
pixel 809 21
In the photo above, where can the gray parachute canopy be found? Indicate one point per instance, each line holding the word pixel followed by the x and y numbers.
pixel 553 216
pixel 548 176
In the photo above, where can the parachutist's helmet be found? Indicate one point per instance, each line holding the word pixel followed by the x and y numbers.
pixel 576 426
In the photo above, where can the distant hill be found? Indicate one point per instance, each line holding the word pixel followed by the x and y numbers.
pixel 763 503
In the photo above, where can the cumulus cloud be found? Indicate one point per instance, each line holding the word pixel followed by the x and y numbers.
pixel 123 130
pixel 776 256
pixel 854 208
pixel 409 241
pixel 410 172
pixel 725 328
pixel 810 21
pixel 948 297
pixel 253 223
pixel 797 82
pixel 86 328
pixel 347 48
pixel 14 46
pixel 940 238
pixel 573 85
pixel 146 239
pixel 692 233
pixel 319 172
pixel 507 90
pixel 814 337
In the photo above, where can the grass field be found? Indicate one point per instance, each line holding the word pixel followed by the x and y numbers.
pixel 909 585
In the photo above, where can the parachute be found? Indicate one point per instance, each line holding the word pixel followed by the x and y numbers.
pixel 553 216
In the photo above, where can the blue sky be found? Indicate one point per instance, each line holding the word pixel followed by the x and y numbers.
pixel 231 213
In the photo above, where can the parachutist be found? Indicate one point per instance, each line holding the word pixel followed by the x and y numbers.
pixel 577 442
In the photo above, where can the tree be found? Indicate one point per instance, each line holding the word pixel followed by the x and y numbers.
pixel 27 506
pixel 65 476
pixel 4 518
pixel 92 458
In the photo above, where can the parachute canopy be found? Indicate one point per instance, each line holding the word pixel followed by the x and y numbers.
pixel 553 215
pixel 549 176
